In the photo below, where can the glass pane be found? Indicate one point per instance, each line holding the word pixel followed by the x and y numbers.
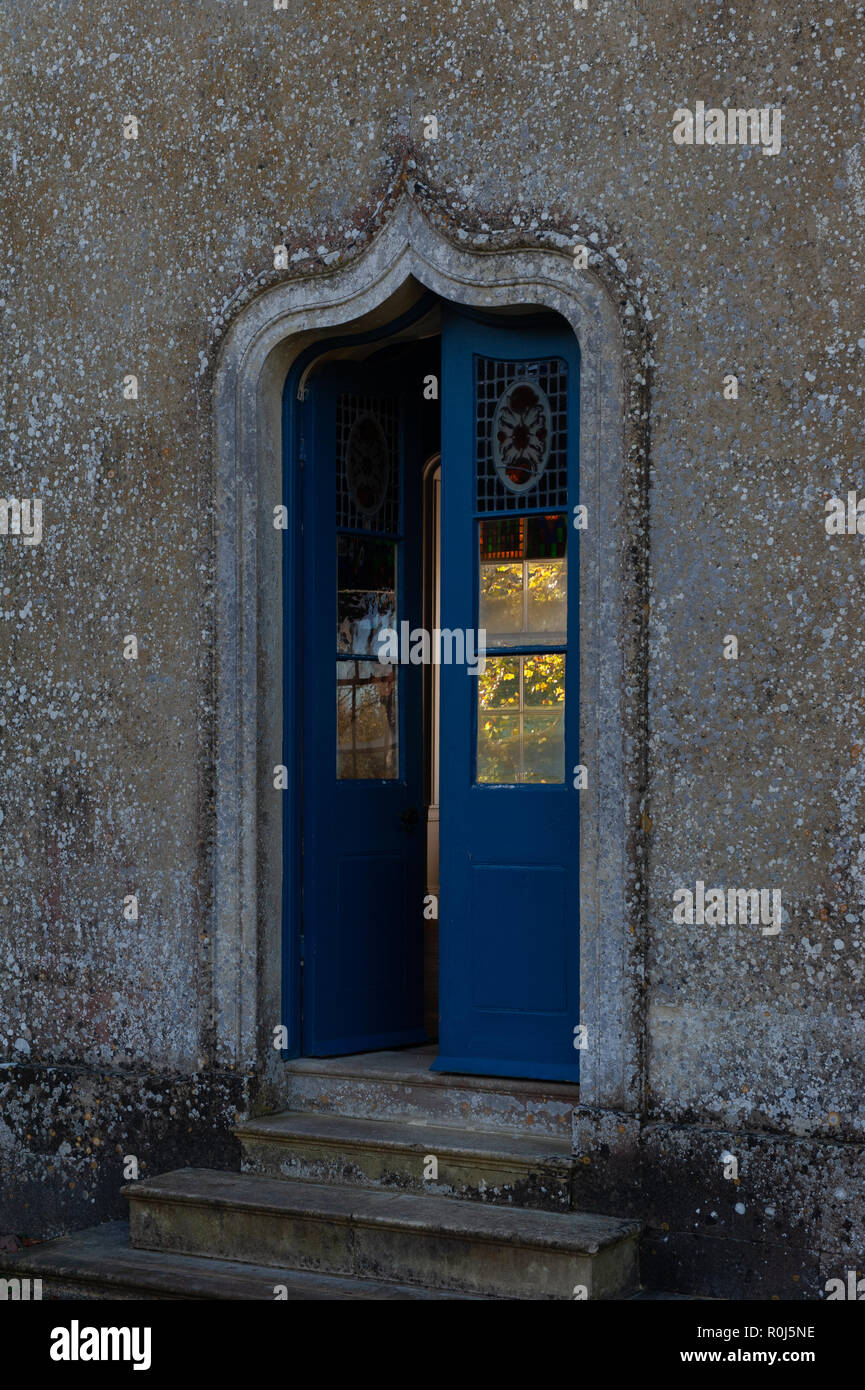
pixel 523 579
pixel 498 747
pixel 521 410
pixel 546 537
pixel 367 474
pixel 547 587
pixel 501 600
pixel 521 719
pixel 544 680
pixel 502 539
pixel 366 592
pixel 366 720
pixel 544 746
pixel 499 685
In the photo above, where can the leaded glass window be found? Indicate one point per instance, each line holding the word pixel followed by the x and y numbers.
pixel 522 538
pixel 521 434
pixel 367 560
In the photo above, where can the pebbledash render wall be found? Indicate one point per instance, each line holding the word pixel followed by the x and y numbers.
pixel 305 126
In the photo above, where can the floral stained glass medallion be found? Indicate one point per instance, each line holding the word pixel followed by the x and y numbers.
pixel 521 435
pixel 367 465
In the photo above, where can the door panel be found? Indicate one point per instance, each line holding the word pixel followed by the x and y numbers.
pixel 509 901
pixel 508 971
pixel 363 847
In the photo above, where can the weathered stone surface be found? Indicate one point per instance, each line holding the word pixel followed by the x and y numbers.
pixel 258 127
pixel 729 1268
pixel 435 1242
pixel 792 1217
pixel 504 1169
pixel 66 1135
pixel 385 1085
pixel 100 1264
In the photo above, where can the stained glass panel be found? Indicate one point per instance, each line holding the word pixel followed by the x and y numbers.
pixel 367 472
pixel 521 443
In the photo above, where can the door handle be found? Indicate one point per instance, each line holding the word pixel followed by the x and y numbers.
pixel 409 818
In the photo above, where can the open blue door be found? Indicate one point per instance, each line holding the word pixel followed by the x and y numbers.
pixel 363 846
pixel 509 901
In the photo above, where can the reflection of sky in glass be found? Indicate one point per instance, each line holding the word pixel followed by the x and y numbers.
pixel 362 616
pixel 366 593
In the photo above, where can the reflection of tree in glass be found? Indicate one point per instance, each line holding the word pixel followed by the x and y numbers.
pixel 544 680
pixel 499 685
pixel 499 581
pixel 366 718
pixel 502 594
pixel 547 594
pixel 501 597
pixel 544 579
pixel 511 747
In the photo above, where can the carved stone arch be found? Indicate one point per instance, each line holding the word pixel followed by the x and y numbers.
pixel 256 354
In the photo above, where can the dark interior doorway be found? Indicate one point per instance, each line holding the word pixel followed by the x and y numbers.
pixel 422 361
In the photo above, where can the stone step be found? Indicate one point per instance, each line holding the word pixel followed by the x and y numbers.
pixel 354 1232
pixel 397 1085
pixel 483 1165
pixel 99 1264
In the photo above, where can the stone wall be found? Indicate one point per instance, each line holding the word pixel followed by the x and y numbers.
pixel 132 256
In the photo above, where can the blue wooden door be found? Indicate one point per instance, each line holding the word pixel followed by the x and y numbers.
pixel 362 846
pixel 509 899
